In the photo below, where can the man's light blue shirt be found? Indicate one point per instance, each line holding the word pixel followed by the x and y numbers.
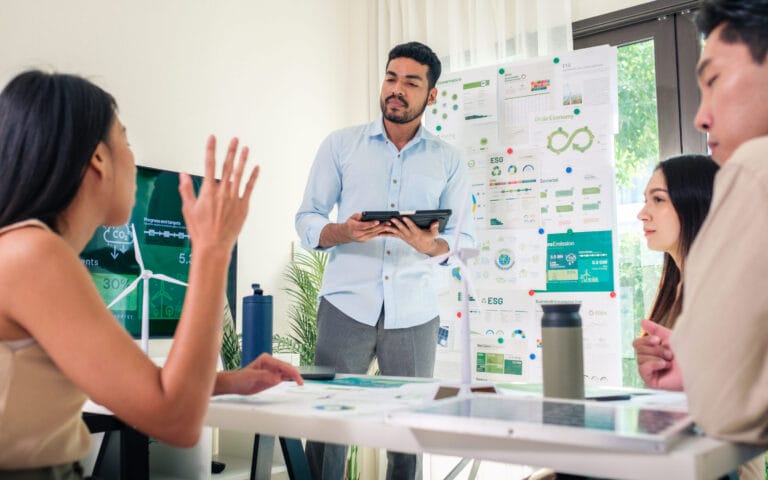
pixel 358 169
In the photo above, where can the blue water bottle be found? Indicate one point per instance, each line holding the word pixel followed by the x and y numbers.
pixel 257 324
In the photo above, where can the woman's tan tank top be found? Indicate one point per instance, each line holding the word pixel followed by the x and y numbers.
pixel 40 408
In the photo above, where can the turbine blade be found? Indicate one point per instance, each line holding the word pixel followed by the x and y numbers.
pixel 437 259
pixel 145 318
pixel 166 278
pixel 125 292
pixel 459 224
pixel 136 249
pixel 468 253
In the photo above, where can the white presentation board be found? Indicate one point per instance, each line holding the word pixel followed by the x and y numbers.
pixel 538 140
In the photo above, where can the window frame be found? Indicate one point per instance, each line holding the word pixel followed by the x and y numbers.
pixel 668 23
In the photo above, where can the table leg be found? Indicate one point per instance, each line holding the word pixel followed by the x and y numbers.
pixel 261 461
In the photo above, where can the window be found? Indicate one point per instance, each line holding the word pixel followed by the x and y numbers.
pixel 658 48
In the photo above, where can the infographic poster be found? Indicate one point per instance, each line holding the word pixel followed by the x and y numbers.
pixel 580 262
pixel 537 137
pixel 511 259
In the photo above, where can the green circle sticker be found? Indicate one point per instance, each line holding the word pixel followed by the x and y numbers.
pixel 576 111
pixel 438 128
pixel 501 71
pixel 556 60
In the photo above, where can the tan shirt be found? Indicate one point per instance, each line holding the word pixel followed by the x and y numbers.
pixel 40 408
pixel 721 339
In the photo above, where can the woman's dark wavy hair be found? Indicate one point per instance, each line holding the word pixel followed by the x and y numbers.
pixel 690 179
pixel 50 125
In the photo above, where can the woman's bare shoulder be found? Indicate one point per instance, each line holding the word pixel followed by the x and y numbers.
pixel 33 250
pixel 29 239
pixel 31 259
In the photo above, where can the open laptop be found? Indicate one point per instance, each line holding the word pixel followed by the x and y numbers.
pixel 572 422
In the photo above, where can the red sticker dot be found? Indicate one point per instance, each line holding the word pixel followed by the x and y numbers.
pixel 458 314
pixel 613 294
pixel 531 292
pixel 509 150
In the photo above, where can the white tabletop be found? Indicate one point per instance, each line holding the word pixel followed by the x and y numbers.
pixel 352 414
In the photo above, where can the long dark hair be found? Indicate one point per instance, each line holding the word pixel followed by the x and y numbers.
pixel 50 125
pixel 689 182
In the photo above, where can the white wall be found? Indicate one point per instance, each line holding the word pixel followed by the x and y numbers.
pixel 276 74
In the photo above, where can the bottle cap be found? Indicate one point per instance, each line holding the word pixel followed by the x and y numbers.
pixel 561 315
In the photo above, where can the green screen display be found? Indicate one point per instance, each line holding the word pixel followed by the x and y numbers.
pixel 164 248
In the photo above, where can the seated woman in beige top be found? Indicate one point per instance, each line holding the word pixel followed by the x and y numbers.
pixel 677 201
pixel 65 168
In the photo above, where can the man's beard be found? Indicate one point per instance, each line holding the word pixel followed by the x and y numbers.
pixel 404 117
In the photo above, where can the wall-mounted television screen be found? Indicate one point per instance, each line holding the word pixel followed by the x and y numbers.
pixel 164 248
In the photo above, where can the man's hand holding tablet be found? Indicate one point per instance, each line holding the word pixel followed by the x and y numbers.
pixel 418 229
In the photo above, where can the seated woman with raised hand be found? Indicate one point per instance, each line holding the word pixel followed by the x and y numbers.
pixel 65 168
pixel 677 201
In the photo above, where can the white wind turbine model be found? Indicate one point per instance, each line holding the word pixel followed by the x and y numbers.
pixel 144 275
pixel 461 256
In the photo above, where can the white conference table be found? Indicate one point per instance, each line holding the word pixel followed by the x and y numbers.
pixel 352 414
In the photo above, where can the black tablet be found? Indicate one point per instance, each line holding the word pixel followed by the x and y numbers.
pixel 317 372
pixel 422 218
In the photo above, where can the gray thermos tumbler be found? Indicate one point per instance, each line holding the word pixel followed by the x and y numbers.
pixel 257 324
pixel 562 350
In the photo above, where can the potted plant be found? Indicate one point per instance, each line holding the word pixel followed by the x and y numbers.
pixel 231 349
pixel 305 276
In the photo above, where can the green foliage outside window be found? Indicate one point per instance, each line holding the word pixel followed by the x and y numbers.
pixel 636 152
pixel 638 282
pixel 637 143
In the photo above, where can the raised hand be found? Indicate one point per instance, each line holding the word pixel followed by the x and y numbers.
pixel 215 217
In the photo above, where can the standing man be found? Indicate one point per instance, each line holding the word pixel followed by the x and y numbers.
pixel 719 349
pixel 378 297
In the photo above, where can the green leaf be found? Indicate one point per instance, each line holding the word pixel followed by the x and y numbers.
pixel 231 350
pixel 637 143
pixel 304 275
pixel 353 470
